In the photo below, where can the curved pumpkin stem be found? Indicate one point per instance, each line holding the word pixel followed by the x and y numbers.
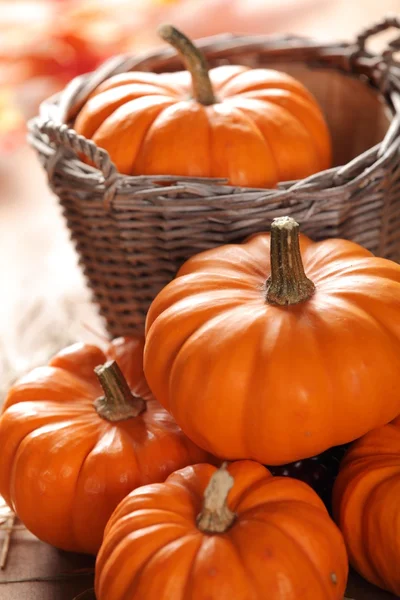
pixel 288 283
pixel 118 402
pixel 194 61
pixel 215 516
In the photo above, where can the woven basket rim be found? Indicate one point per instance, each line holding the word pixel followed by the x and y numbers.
pixel 52 137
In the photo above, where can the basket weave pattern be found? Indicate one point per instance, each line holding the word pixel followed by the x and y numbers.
pixel 133 233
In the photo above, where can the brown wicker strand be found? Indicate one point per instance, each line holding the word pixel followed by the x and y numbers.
pixel 133 232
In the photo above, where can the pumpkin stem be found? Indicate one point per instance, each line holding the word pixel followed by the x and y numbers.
pixel 194 61
pixel 215 516
pixel 118 402
pixel 288 283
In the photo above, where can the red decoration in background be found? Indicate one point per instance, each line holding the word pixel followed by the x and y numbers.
pixel 45 43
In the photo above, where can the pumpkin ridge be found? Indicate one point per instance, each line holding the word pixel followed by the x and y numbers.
pixel 153 97
pixel 291 539
pixel 227 303
pixel 221 88
pixel 253 131
pixel 321 255
pixel 361 272
pixel 253 379
pixel 357 313
pixel 121 113
pixel 379 321
pixel 103 105
pixel 368 505
pixel 324 359
pixel 189 584
pixel 161 512
pixel 268 145
pixel 237 549
pixel 133 78
pixel 173 85
pixel 313 115
pixel 223 315
pixel 26 442
pixel 248 490
pixel 346 500
pixel 116 549
pixel 139 166
pixel 223 266
pixel 266 344
pixel 71 513
pixel 11 460
pixel 21 388
pixel 312 142
pixel 369 559
pixel 269 130
pixel 280 80
pixel 182 542
pixel 369 512
pixel 299 546
pixel 136 578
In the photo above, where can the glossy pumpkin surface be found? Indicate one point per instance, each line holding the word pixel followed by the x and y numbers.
pixel 246 377
pixel 64 468
pixel 281 542
pixel 254 127
pixel 366 505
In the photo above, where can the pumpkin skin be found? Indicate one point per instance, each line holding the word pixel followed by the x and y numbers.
pixel 282 543
pixel 261 126
pixel 366 505
pixel 64 468
pixel 275 383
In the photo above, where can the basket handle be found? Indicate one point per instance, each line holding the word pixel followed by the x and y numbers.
pixel 386 23
pixel 67 139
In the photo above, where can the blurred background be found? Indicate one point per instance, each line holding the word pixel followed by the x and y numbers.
pixel 45 43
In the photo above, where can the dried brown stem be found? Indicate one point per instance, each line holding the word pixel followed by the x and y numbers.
pixel 215 516
pixel 194 61
pixel 118 402
pixel 288 283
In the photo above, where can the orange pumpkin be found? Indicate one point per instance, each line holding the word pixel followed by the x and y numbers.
pixel 252 126
pixel 268 363
pixel 71 452
pixel 187 539
pixel 366 505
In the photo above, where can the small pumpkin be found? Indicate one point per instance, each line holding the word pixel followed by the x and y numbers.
pixel 366 505
pixel 76 437
pixel 251 126
pixel 278 348
pixel 222 534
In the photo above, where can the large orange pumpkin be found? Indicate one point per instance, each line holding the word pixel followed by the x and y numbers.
pixel 257 358
pixel 187 539
pixel 252 126
pixel 71 451
pixel 366 505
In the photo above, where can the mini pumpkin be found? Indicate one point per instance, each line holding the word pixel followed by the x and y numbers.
pixel 366 505
pixel 278 348
pixel 75 442
pixel 222 534
pixel 251 126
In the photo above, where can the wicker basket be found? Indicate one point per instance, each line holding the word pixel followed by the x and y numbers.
pixel 132 233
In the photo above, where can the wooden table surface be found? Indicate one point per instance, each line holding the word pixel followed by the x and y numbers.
pixel 45 304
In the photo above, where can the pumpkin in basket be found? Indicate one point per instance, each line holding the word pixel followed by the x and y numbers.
pixel 366 505
pixel 72 448
pixel 278 348
pixel 251 126
pixel 222 534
